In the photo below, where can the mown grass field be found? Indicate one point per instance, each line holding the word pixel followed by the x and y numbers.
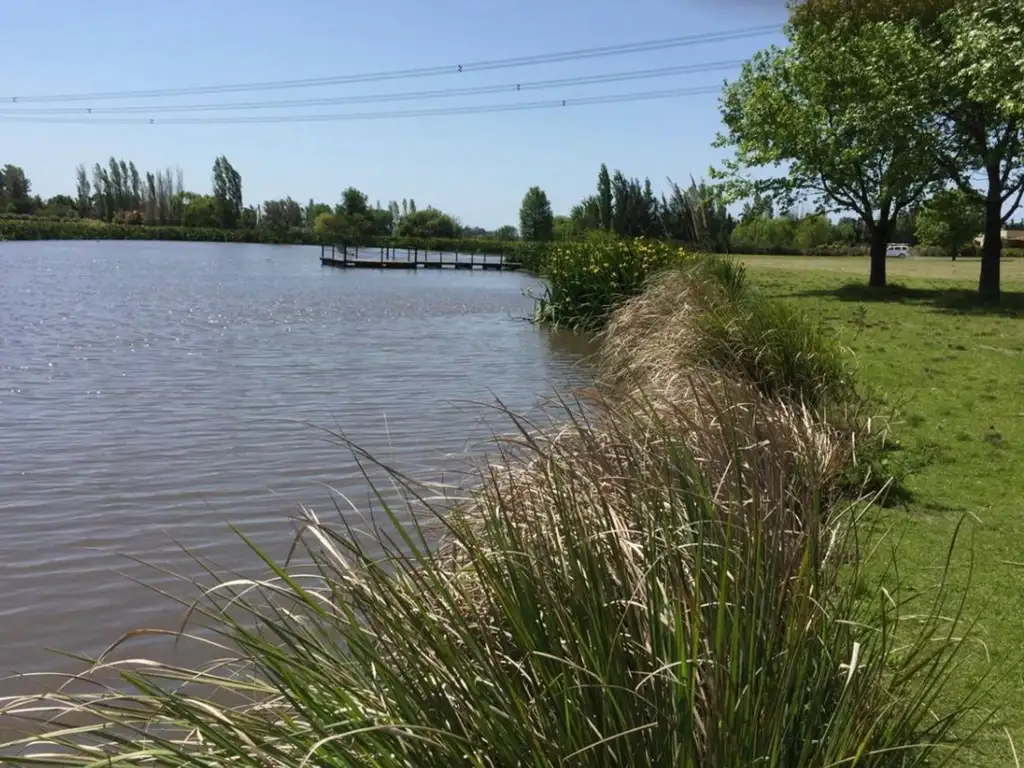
pixel 957 371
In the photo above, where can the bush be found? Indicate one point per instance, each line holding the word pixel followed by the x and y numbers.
pixel 587 280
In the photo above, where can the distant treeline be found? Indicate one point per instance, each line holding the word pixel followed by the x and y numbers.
pixel 17 227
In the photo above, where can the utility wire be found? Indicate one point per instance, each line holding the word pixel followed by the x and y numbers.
pixel 402 74
pixel 353 116
pixel 565 82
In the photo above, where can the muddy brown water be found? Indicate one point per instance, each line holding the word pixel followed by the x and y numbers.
pixel 153 393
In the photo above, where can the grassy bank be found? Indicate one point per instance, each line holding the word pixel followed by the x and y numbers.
pixel 674 574
pixel 957 369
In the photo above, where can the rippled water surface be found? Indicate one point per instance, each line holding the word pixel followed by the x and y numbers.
pixel 156 392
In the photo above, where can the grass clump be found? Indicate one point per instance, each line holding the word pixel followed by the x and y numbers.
pixel 705 314
pixel 587 280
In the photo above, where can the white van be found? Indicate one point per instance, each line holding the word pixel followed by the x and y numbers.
pixel 897 250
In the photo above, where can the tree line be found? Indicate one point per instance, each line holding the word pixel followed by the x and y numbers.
pixel 627 207
pixel 117 192
pixel 878 107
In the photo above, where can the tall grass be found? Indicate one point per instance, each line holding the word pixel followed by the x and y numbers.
pixel 616 594
pixel 705 314
pixel 587 280
pixel 657 579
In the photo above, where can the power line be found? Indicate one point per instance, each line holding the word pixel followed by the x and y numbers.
pixel 353 116
pixel 565 82
pixel 401 74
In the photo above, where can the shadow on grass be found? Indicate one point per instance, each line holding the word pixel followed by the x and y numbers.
pixel 955 300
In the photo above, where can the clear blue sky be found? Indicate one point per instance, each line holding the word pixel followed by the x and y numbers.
pixel 474 166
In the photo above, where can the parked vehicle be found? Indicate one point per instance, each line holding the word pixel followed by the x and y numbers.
pixel 897 250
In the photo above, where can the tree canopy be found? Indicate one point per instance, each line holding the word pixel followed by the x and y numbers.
pixel 827 117
pixel 536 221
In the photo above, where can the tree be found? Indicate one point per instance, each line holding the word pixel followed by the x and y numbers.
pixel 15 190
pixel 696 215
pixel 536 222
pixel 949 220
pixel 60 206
pixel 813 231
pixel 83 191
pixel 428 223
pixel 281 215
pixel 200 210
pixel 104 198
pixel 758 207
pixel 586 215
pixel 227 193
pixel 832 109
pixel 965 59
pixel 313 210
pixel 507 233
pixel 604 199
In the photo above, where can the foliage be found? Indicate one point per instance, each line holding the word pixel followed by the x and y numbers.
pixel 696 215
pixel 15 189
pixel 962 67
pixel 36 228
pixel 813 231
pixel 831 111
pixel 604 199
pixel 199 211
pixel 949 220
pixel 427 223
pixel 280 216
pixel 536 222
pixel 531 256
pixel 227 193
pixel 587 280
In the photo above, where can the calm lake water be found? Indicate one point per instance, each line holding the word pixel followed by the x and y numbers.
pixel 153 392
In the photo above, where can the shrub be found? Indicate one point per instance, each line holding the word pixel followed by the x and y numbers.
pixel 587 280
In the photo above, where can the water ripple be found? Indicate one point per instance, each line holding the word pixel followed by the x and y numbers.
pixel 152 393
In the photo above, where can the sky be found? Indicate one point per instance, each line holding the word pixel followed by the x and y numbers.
pixel 474 166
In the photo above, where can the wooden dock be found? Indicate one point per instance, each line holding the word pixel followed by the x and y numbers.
pixel 410 258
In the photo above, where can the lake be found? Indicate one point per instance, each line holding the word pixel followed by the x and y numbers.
pixel 153 393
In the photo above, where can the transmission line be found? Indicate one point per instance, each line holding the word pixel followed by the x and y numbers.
pixel 354 116
pixel 402 74
pixel 564 82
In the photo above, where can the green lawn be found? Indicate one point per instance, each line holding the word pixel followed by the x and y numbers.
pixel 957 369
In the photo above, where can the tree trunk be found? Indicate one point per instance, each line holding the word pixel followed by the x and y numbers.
pixel 879 243
pixel 992 248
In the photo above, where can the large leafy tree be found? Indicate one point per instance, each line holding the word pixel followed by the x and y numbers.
pixel 949 220
pixel 428 223
pixel 963 59
pixel 536 221
pixel 826 117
